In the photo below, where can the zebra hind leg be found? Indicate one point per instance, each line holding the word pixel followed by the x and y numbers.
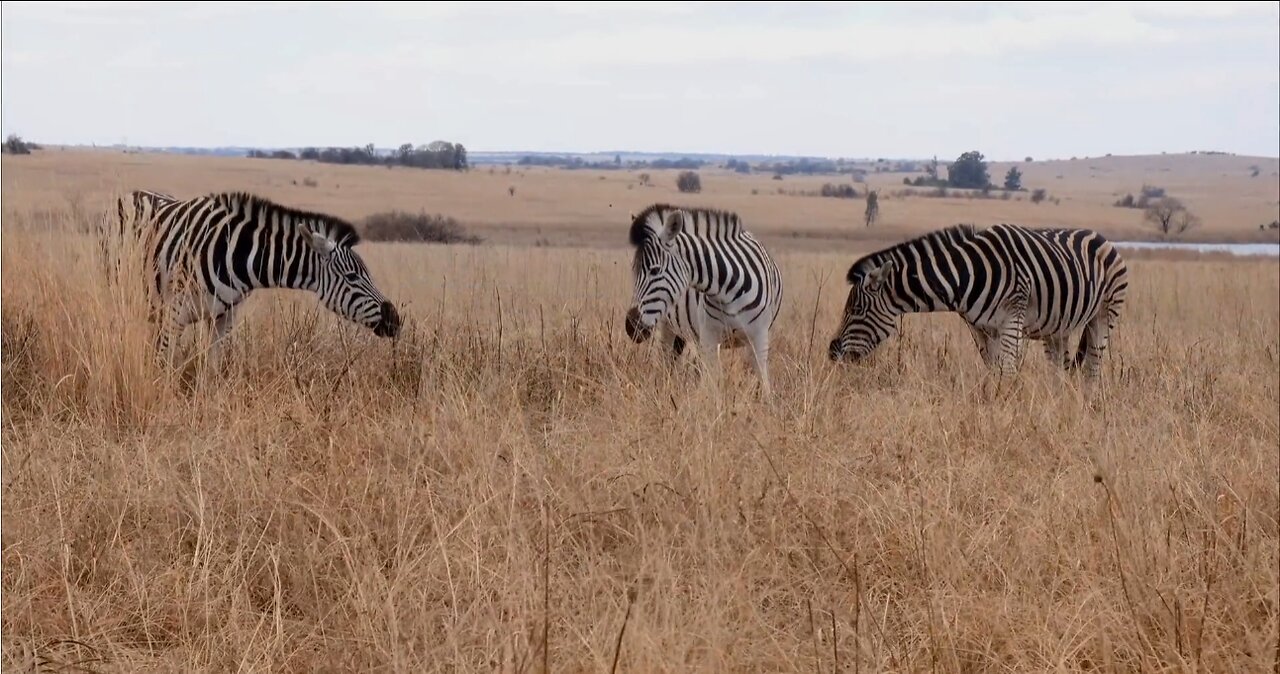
pixel 1057 349
pixel 1093 344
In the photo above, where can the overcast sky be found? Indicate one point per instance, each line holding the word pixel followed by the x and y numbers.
pixel 856 80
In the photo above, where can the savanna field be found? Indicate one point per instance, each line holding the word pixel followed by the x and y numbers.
pixel 512 485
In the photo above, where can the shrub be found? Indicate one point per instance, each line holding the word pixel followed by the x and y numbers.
pixel 402 226
pixel 15 145
pixel 688 181
pixel 1038 195
pixel 839 191
pixel 1153 192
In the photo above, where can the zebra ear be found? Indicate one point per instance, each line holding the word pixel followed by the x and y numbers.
pixel 319 242
pixel 674 225
pixel 876 278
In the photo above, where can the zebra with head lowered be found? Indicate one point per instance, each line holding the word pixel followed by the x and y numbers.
pixel 1007 282
pixel 205 256
pixel 707 278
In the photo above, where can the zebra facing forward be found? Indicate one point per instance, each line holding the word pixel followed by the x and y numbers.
pixel 1007 282
pixel 736 287
pixel 211 252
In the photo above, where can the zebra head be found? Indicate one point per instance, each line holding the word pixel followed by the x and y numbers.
pixel 869 315
pixel 660 273
pixel 345 287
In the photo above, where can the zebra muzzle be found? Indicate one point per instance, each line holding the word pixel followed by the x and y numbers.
pixel 389 325
pixel 635 329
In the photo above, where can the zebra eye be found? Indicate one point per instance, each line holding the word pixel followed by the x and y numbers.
pixel 653 271
pixel 352 276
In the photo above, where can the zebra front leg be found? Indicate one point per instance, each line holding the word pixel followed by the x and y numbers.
pixel 1010 334
pixel 760 359
pixel 221 325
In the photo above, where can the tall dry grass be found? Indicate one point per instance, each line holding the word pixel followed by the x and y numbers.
pixel 513 486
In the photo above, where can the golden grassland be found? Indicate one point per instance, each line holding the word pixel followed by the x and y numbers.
pixel 559 207
pixel 513 485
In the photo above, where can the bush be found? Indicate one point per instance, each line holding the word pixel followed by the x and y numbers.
pixel 839 191
pixel 688 181
pixel 1013 179
pixel 1038 195
pixel 15 145
pixel 402 226
pixel 1153 192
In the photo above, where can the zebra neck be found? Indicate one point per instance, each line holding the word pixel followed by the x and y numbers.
pixel 295 266
pixel 709 271
pixel 921 289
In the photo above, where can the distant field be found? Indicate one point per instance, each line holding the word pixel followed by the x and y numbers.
pixel 513 482
pixel 559 207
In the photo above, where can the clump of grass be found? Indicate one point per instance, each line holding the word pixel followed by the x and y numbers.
pixel 404 226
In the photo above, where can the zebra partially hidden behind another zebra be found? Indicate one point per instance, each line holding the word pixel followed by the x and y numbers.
pixel 1007 282
pixel 706 279
pixel 205 255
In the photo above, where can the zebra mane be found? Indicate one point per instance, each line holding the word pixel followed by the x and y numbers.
pixel 339 230
pixel 943 236
pixel 642 230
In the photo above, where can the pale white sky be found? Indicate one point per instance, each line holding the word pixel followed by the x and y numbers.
pixel 1050 79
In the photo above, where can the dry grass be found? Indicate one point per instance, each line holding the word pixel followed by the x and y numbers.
pixel 574 208
pixel 512 483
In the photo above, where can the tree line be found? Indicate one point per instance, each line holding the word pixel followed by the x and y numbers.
pixel 436 155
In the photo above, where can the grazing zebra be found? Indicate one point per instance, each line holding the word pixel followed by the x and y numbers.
pixel 737 289
pixel 212 251
pixel 1007 282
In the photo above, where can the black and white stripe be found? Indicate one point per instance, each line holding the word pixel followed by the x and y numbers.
pixel 1007 282
pixel 205 255
pixel 736 287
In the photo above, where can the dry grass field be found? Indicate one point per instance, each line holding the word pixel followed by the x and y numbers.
pixel 590 208
pixel 514 486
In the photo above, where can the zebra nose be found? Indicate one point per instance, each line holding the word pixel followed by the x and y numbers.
pixel 389 324
pixel 635 329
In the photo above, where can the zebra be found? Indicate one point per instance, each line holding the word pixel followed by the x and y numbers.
pixel 225 245
pixel 1008 283
pixel 729 288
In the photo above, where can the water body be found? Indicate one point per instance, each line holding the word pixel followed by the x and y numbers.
pixel 1243 249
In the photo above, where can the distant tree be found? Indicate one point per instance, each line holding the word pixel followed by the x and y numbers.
pixel 688 181
pixel 931 169
pixel 969 171
pixel 617 160
pixel 1013 179
pixel 1169 216
pixel 15 145
pixel 459 157
pixel 1029 159
pixel 873 207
